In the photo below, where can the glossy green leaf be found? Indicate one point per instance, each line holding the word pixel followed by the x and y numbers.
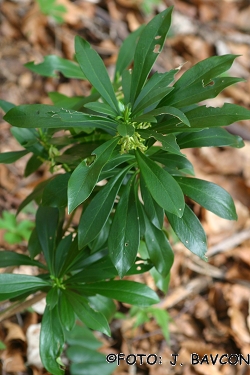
pixel 97 212
pixel 101 270
pixel 117 159
pixel 190 231
pixel 32 165
pixel 154 212
pixel 161 185
pixel 148 47
pixel 126 85
pixel 175 112
pixel 46 226
pixel 86 314
pixel 217 137
pixel 154 90
pixel 11 157
pixel 55 192
pixel 101 108
pixel 51 341
pixel 52 297
pixel 66 312
pixel 124 236
pixel 71 258
pixel 48 116
pixel 53 64
pixel 209 195
pixel 199 92
pixel 94 69
pixel 84 178
pixel 104 305
pixel 34 246
pixel 122 290
pixel 173 163
pixel 11 258
pixel 206 117
pixel 100 241
pixel 126 51
pixel 168 142
pixel 82 336
pixel 82 361
pixel 13 285
pixel 159 249
pixel 61 255
pixel 199 82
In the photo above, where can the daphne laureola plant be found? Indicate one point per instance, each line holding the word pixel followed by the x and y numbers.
pixel 110 136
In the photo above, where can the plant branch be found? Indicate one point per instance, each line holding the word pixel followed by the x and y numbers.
pixel 18 307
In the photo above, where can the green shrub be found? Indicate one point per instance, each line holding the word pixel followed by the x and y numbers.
pixel 111 136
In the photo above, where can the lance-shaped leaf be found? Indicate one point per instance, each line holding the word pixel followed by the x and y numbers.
pixel 94 69
pixel 101 108
pixel 84 178
pixel 101 270
pixel 161 185
pixel 126 85
pixel 48 116
pixel 51 341
pixel 206 117
pixel 148 47
pixel 209 195
pixel 61 255
pixel 10 258
pixel 173 163
pixel 152 209
pixel 127 50
pixel 122 290
pixel 168 141
pixel 46 227
pixel 55 192
pixel 200 82
pixel 159 249
pixel 217 137
pixel 172 111
pixel 154 90
pixel 11 157
pixel 190 231
pixel 199 92
pixel 66 312
pixel 96 214
pixel 53 64
pixel 124 236
pixel 93 319
pixel 81 356
pixel 14 285
pixel 104 305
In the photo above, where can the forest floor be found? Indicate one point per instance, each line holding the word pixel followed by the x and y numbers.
pixel 208 303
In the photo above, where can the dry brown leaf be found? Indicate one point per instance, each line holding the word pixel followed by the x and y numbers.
pixel 34 26
pixel 13 362
pixel 15 332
